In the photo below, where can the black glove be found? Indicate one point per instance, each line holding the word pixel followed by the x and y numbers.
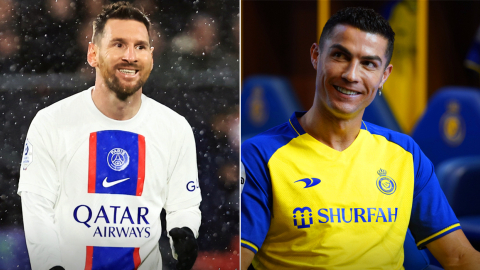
pixel 57 268
pixel 185 246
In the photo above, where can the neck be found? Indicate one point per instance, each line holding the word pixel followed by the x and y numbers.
pixel 337 133
pixel 111 106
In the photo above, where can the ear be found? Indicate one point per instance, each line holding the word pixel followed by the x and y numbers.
pixel 314 55
pixel 385 75
pixel 151 51
pixel 92 55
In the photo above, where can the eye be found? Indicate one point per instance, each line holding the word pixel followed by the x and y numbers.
pixel 369 64
pixel 141 47
pixel 337 54
pixel 118 45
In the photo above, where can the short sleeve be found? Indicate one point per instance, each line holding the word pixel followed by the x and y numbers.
pixel 255 198
pixel 183 187
pixel 38 173
pixel 432 217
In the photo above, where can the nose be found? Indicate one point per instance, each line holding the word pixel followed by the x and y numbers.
pixel 350 73
pixel 130 55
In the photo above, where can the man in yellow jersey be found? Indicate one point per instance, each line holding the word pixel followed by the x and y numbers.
pixel 326 190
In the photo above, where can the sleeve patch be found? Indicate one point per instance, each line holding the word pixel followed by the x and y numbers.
pixel 27 157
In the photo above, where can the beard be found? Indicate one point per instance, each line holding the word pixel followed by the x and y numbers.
pixel 113 83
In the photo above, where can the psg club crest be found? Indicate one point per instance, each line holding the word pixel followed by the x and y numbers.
pixel 385 184
pixel 118 159
pixel 116 162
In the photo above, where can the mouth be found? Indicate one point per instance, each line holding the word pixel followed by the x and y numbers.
pixel 128 71
pixel 345 91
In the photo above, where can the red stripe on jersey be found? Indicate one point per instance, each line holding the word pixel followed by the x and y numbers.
pixel 92 162
pixel 141 164
pixel 89 258
pixel 136 258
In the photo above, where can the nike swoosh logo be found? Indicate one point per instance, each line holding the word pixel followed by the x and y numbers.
pixel 309 182
pixel 113 183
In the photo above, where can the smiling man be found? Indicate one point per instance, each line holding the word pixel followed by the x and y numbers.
pixel 99 167
pixel 327 190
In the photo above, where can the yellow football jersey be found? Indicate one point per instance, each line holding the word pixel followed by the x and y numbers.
pixel 308 206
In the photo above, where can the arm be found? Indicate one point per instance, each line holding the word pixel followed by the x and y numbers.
pixel 454 251
pixel 39 187
pixel 183 190
pixel 188 217
pixel 183 198
pixel 40 232
pixel 182 228
pixel 255 201
pixel 247 258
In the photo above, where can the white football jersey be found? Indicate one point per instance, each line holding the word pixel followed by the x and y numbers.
pixel 109 179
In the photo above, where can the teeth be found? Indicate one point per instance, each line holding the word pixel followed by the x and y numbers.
pixel 127 71
pixel 345 91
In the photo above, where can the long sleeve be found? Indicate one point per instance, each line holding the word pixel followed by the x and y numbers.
pixel 39 187
pixel 183 197
pixel 40 232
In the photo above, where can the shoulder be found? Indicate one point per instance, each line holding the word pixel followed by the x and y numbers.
pixel 164 115
pixel 62 109
pixel 267 143
pixel 67 104
pixel 404 141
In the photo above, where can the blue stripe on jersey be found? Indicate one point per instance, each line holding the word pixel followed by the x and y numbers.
pixel 117 159
pixel 120 258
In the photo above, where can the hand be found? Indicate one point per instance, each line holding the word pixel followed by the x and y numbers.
pixel 185 246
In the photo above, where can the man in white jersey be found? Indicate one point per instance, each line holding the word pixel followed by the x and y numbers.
pixel 99 167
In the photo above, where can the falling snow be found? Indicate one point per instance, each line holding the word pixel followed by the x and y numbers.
pixel 43 47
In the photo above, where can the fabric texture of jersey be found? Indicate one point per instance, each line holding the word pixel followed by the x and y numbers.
pixel 109 180
pixel 308 206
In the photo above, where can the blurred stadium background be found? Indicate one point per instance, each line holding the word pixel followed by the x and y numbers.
pixel 432 94
pixel 43 59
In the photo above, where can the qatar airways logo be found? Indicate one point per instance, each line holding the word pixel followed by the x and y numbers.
pixel 114 221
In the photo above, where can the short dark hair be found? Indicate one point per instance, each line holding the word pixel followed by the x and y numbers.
pixel 366 20
pixel 121 10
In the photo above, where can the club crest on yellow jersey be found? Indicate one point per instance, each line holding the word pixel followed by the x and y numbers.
pixel 385 184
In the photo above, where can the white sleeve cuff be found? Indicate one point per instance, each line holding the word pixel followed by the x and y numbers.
pixel 188 217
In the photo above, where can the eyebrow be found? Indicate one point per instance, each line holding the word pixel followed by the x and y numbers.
pixel 140 42
pixel 347 52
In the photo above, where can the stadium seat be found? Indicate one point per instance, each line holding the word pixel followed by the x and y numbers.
pixel 450 126
pixel 267 101
pixel 460 180
pixel 379 113
pixel 415 259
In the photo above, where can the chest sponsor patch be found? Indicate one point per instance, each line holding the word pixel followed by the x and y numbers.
pixel 116 162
